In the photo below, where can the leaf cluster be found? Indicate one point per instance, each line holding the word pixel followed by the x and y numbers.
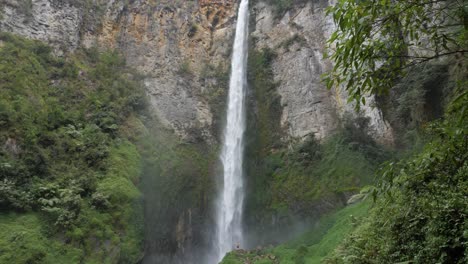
pixel 421 211
pixel 376 41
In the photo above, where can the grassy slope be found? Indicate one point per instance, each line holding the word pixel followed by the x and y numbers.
pixel 313 246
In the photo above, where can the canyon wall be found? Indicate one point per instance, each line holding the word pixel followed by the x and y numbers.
pixel 298 36
pixel 182 47
pixel 182 51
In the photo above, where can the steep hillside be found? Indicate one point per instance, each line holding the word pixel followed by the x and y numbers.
pixel 391 49
pixel 69 166
pixel 111 116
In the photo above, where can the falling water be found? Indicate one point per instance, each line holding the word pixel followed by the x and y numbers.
pixel 229 206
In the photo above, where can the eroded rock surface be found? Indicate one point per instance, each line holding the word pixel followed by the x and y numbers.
pixel 55 22
pixel 299 37
pixel 170 42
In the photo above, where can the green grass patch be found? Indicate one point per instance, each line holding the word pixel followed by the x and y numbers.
pixel 313 246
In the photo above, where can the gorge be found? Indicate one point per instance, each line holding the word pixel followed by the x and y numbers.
pixel 233 131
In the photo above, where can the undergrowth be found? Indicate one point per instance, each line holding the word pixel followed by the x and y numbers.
pixel 68 168
pixel 421 211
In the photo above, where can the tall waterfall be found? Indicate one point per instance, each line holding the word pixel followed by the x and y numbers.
pixel 230 200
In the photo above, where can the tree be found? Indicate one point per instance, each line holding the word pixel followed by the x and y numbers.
pixel 376 41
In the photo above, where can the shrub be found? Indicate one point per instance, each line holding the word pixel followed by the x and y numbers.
pixel 420 214
pixel 69 158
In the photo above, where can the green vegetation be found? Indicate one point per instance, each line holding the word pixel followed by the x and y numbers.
pixel 193 29
pixel 216 80
pixel 68 170
pixel 303 179
pixel 184 69
pixel 313 246
pixel 263 131
pixel 377 41
pixel 415 100
pixel 421 212
pixel 314 171
pixel 314 178
pixel 178 185
pixel 23 241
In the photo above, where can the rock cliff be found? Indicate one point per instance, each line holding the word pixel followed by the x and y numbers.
pixel 182 50
pixel 299 36
pixel 171 43
pixel 180 47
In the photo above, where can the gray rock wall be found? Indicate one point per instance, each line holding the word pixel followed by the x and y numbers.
pixel 299 39
pixel 50 21
pixel 172 42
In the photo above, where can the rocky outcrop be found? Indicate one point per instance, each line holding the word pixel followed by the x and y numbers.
pixel 299 37
pixel 171 43
pixel 55 22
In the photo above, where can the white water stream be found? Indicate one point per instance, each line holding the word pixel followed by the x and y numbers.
pixel 230 201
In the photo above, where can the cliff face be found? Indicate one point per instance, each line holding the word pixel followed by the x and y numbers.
pixel 299 37
pixel 182 47
pixel 55 22
pixel 182 50
pixel 171 43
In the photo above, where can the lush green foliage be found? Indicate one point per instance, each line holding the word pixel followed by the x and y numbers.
pixel 420 215
pixel 421 212
pixel 377 40
pixel 65 155
pixel 23 241
pixel 415 100
pixel 313 171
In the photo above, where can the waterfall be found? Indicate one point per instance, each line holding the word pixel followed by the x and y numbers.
pixel 231 196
